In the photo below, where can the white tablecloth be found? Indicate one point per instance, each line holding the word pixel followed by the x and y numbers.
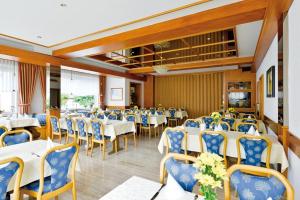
pixel 137 188
pixel 178 114
pixel 31 161
pixel 154 120
pixel 19 122
pixel 193 144
pixel 112 128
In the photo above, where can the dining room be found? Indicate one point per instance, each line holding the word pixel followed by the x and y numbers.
pixel 149 100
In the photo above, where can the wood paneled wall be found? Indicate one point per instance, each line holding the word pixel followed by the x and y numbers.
pixel 200 93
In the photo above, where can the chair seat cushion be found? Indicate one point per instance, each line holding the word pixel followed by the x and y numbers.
pixel 99 137
pixel 16 139
pixel 34 186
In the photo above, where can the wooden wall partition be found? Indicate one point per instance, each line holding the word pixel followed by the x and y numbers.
pixel 200 93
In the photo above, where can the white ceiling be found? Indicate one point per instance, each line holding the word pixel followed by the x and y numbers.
pixel 27 20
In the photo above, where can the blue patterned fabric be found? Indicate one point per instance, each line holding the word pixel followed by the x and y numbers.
pixel 213 142
pixel 41 118
pixel 244 127
pixel 6 173
pixel 18 138
pixel 172 113
pixel 250 187
pixel 183 173
pixel 144 118
pixel 253 150
pixel 223 125
pixel 230 121
pixel 2 130
pixel 59 162
pixel 208 121
pixel 160 112
pixel 70 126
pixel 106 113
pixel 81 127
pixel 100 116
pixel 127 111
pixel 191 123
pixel 54 124
pixel 152 111
pixel 96 126
pixel 130 118
pixel 175 137
pixel 254 121
pixel 112 117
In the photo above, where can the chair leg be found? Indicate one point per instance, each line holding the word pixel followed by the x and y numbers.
pixel 87 146
pixel 56 198
pixel 74 195
pixel 103 150
pixel 134 139
pixel 126 142
pixel 92 148
pixel 116 145
pixel 149 132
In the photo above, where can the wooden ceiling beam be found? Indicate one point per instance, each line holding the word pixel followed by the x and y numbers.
pixel 25 56
pixel 198 64
pixel 202 22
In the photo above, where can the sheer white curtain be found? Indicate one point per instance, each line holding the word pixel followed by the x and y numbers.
pixel 78 84
pixel 8 85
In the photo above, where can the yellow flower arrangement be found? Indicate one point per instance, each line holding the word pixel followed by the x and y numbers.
pixel 211 174
pixel 231 110
pixel 216 117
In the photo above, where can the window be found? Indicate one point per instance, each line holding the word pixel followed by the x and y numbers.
pixel 8 85
pixel 79 90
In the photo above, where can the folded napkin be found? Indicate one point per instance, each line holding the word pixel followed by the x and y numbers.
pixel 124 119
pixel 202 127
pixel 218 128
pixel 257 133
pixel 228 115
pixel 50 144
pixel 172 190
pixel 249 117
pixel 251 131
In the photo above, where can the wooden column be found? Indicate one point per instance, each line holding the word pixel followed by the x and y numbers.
pixel 149 91
pixel 102 89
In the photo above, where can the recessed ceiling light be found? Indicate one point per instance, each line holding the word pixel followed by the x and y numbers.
pixel 39 37
pixel 208 38
pixel 63 5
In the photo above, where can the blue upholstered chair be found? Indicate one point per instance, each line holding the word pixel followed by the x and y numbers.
pixel 100 116
pixel 42 118
pixel 208 121
pixel 176 139
pixel 245 127
pixel 249 116
pixel 225 126
pixel 62 160
pixel 55 126
pixel 15 137
pixel 3 129
pixel 112 117
pixel 160 112
pixel 192 123
pixel 152 110
pixel 130 118
pixel 99 137
pixel 213 141
pixel 8 168
pixel 253 146
pixel 82 131
pixel 127 111
pixel 70 129
pixel 230 121
pixel 177 166
pixel 172 117
pixel 145 125
pixel 257 183
pixel 106 113
pixel 246 120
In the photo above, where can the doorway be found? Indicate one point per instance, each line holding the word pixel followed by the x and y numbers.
pixel 260 97
pixel 135 94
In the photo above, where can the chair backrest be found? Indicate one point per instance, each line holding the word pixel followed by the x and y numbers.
pixel 192 123
pixel 130 118
pixel 145 120
pixel 152 110
pixel 8 168
pixel 70 126
pixel 244 127
pixel 213 141
pixel 81 127
pixel 230 121
pixel 246 120
pixel 172 112
pixel 175 139
pixel 225 126
pixel 106 113
pixel 207 120
pixel 15 137
pixel 3 129
pixel 250 185
pixel 254 146
pixel 160 112
pixel 100 116
pixel 112 117
pixel 249 116
pixel 59 159
pixel 183 173
pixel 97 129
pixel 42 118
pixel 55 125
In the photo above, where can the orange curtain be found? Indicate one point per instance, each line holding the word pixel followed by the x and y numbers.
pixel 27 82
pixel 42 74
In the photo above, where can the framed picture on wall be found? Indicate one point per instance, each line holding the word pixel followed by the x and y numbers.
pixel 271 82
pixel 116 94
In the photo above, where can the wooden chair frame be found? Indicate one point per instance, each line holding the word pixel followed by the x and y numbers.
pixel 112 114
pixel 242 123
pixel 253 137
pixel 59 133
pixel 4 128
pixel 193 120
pixel 225 142
pixel 86 138
pixel 125 136
pixel 172 119
pixel 54 194
pixel 167 139
pixel 74 136
pixel 221 122
pixel 176 156
pixel 16 193
pixel 257 170
pixel 2 144
pixel 147 127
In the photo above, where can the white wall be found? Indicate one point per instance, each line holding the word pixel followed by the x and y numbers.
pixel 271 59
pixel 115 82
pixel 292 62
